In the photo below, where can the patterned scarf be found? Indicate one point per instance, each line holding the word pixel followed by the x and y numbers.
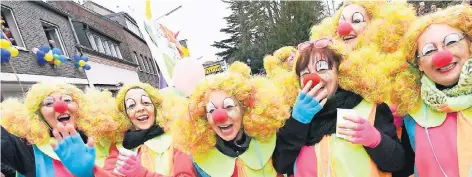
pixel 454 99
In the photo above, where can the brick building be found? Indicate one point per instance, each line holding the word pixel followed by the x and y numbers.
pixel 32 24
pixel 117 53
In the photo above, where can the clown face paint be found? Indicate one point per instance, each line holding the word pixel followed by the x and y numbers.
pixel 356 17
pixel 224 115
pixel 140 109
pixel 326 70
pixel 433 43
pixel 53 114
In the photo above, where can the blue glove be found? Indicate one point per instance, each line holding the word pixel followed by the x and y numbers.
pixel 76 156
pixel 305 108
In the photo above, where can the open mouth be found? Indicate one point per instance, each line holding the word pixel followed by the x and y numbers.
pixel 226 129
pixel 142 118
pixel 447 68
pixel 63 118
pixel 349 37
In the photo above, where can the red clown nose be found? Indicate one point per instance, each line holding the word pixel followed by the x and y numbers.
pixel 344 29
pixel 442 58
pixel 219 116
pixel 60 106
pixel 313 77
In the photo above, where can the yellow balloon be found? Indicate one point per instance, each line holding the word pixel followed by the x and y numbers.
pixel 48 57
pixel 57 62
pixel 13 51
pixel 81 63
pixel 4 44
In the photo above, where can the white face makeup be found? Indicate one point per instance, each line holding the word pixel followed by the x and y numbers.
pixel 325 69
pixel 228 124
pixel 357 17
pixel 52 117
pixel 140 109
pixel 437 39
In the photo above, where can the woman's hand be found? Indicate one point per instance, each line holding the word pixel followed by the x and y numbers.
pixel 309 102
pixel 75 155
pixel 359 131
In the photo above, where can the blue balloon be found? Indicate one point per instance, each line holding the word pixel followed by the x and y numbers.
pixel 76 58
pixel 85 58
pixel 5 55
pixel 63 58
pixel 56 51
pixel 1 35
pixel 44 48
pixel 41 61
pixel 76 65
pixel 40 54
pixel 87 67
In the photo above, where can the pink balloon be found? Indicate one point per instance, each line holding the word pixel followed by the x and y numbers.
pixel 35 50
pixel 51 42
pixel 186 75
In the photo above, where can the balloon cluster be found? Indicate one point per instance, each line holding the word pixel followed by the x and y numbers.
pixel 81 61
pixel 7 51
pixel 45 55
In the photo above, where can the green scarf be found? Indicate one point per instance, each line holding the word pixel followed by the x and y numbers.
pixel 455 99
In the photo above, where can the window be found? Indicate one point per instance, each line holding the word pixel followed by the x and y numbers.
pixel 92 41
pixel 112 50
pixel 135 56
pixel 107 48
pixel 104 45
pixel 145 68
pixel 151 66
pixel 9 27
pixel 156 68
pixel 53 34
pixel 132 27
pixel 118 52
pixel 99 44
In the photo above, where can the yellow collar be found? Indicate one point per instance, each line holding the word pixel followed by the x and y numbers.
pixel 215 163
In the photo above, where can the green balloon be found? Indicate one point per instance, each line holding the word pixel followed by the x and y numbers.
pixel 56 56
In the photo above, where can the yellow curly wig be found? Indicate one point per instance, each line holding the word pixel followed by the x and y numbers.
pixel 264 109
pixel 156 98
pixel 459 16
pixel 33 128
pixel 103 116
pixel 374 66
pixel 14 117
pixel 278 58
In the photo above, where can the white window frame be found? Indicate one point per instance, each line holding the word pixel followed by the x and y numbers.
pixel 59 36
pixel 146 69
pixel 135 56
pixel 20 43
pixel 112 50
pixel 107 47
pixel 100 46
pixel 118 52
pixel 92 41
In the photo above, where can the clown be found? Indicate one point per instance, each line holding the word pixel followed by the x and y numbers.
pixel 147 148
pixel 59 107
pixel 284 56
pixel 439 46
pixel 368 34
pixel 232 124
pixel 320 141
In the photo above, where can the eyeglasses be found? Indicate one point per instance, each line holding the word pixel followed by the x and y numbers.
pixel 450 43
pixel 318 44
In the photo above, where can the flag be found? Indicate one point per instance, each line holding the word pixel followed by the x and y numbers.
pixel 148 10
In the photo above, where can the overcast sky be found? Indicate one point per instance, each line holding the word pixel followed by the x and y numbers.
pixel 189 19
